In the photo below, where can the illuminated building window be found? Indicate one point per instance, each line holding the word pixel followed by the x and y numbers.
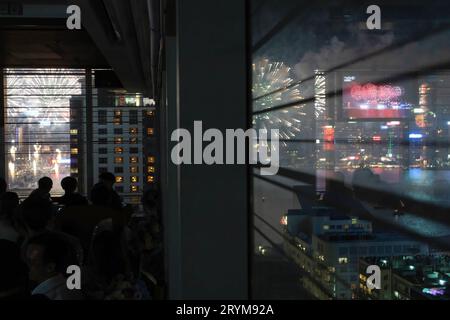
pixel 134 150
pixel 73 170
pixel 118 160
pixel 343 260
pixel 134 188
pixel 118 150
pixel 102 150
pixel 133 140
pixel 103 160
pixel 326 227
pixel 119 179
pixel 150 159
pixel 134 169
pixel 134 179
pixel 117 140
pixel 150 169
pixel 117 117
pixel 118 170
pixel 149 131
pixel 150 179
pixel 103 131
pixel 74 151
pixel 73 131
pixel 134 159
pixel 150 113
pixel 133 130
pixel 118 131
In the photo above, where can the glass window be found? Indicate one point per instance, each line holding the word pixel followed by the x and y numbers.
pixel 134 169
pixel 134 159
pixel 38 112
pixel 133 117
pixel 363 120
pixel 133 140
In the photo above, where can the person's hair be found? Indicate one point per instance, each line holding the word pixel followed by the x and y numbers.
pixel 107 176
pixel 69 184
pixel 36 213
pixel 9 201
pixel 3 185
pixel 13 271
pixel 45 183
pixel 56 250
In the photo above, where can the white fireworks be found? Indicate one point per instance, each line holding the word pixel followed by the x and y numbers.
pixel 272 87
pixel 36 95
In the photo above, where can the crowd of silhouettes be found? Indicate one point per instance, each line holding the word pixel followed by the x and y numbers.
pixel 118 253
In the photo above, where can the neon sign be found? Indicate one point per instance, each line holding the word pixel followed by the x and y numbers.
pixel 372 91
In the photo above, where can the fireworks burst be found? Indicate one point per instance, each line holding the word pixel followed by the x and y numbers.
pixel 38 122
pixel 275 77
pixel 37 95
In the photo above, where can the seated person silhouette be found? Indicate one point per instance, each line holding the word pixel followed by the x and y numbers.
pixel 45 184
pixel 71 197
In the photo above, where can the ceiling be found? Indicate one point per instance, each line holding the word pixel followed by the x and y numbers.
pixel 116 34
pixel 47 46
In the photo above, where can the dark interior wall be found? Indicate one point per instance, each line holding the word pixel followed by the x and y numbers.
pixel 208 226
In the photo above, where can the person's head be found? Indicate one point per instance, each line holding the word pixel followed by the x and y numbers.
pixel 3 185
pixel 45 184
pixel 13 271
pixel 9 201
pixel 108 179
pixel 69 184
pixel 36 214
pixel 47 255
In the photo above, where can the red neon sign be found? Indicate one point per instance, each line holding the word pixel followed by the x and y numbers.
pixel 372 91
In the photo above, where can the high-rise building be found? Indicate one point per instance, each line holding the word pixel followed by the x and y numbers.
pixel 329 249
pixel 123 125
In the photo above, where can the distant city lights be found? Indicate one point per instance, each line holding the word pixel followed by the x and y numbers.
pixel 415 136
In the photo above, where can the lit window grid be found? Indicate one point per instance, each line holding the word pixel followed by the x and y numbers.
pixel 125 126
